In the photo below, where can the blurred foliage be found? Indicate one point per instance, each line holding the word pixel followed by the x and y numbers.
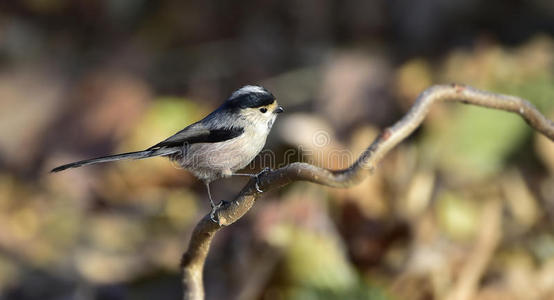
pixel 464 209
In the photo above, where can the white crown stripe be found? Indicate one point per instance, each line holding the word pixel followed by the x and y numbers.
pixel 248 89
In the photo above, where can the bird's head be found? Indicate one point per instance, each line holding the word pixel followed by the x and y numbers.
pixel 254 103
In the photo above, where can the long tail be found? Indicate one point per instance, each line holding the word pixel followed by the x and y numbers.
pixel 129 155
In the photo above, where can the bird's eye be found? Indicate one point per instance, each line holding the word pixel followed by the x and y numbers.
pixel 263 110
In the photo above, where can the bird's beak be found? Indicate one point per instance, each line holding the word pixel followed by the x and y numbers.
pixel 279 110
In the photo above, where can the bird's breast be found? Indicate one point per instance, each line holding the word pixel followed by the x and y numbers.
pixel 233 154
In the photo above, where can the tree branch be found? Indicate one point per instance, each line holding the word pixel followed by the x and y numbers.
pixel 192 263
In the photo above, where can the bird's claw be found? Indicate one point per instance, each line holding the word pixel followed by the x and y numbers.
pixel 258 187
pixel 213 217
pixel 266 169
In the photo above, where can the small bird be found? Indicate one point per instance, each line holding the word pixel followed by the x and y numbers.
pixel 217 146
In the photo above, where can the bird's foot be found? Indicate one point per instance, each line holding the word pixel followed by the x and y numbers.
pixel 213 217
pixel 257 176
pixel 266 169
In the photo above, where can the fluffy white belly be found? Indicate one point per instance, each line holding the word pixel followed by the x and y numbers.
pixel 210 161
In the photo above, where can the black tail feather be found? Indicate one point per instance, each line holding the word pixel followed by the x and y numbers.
pixel 129 155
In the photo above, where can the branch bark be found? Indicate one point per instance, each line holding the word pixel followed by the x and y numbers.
pixel 193 259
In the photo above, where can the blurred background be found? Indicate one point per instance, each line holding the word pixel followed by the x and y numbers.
pixel 464 209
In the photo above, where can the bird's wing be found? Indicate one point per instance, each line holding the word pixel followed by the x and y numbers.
pixel 199 133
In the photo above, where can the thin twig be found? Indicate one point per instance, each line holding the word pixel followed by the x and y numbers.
pixel 192 263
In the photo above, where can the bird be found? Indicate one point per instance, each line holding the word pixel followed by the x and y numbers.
pixel 217 146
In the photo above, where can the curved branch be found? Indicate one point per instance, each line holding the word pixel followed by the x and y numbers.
pixel 193 259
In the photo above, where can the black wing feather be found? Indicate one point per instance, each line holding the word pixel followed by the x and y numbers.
pixel 194 135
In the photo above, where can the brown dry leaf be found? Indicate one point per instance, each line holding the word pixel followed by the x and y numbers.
pixel 494 293
pixel 520 276
pixel 521 202
pixel 545 279
pixel 479 258
pixel 418 195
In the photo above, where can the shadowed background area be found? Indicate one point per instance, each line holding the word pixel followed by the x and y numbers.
pixel 462 210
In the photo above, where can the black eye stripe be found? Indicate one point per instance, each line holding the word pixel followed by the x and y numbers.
pixel 263 110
